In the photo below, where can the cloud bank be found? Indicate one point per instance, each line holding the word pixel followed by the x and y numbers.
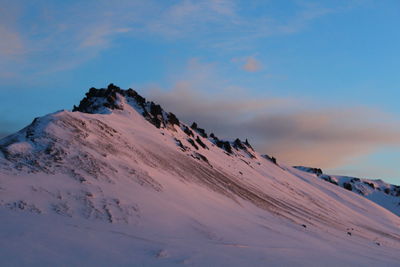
pixel 295 131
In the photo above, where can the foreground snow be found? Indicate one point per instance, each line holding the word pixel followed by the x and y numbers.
pixel 57 241
pixel 113 189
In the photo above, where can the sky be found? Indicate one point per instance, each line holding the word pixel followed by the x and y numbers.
pixel 313 83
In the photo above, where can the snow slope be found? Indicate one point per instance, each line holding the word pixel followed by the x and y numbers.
pixel 119 181
pixel 384 194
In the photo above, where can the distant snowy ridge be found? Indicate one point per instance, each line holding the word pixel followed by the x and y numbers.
pixel 384 194
pixel 119 181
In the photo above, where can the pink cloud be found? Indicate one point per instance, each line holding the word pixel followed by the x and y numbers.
pixel 295 131
pixel 252 65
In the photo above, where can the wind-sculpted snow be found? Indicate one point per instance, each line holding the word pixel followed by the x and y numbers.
pixel 122 179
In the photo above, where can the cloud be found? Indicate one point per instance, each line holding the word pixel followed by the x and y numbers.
pixel 295 131
pixel 49 37
pixel 252 65
pixel 323 137
pixel 191 18
pixel 11 41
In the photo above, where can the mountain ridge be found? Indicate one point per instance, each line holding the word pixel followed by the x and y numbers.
pixel 384 194
pixel 138 176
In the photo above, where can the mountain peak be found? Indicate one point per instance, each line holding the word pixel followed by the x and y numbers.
pixel 105 100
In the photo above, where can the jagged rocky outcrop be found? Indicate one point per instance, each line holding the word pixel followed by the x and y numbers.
pixel 270 158
pixel 225 145
pixel 98 100
pixel 38 148
pixel 199 130
pixel 244 146
pixel 316 171
pixel 105 100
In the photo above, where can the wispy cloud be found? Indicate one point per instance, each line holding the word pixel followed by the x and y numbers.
pixel 11 42
pixel 49 38
pixel 65 36
pixel 193 17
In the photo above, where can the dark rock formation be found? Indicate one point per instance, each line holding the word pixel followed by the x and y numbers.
pixel 198 140
pixel 173 119
pixel 348 186
pixel 238 144
pixel 190 140
pixel 270 158
pixel 97 98
pixel 188 131
pixel 225 145
pixel 316 171
pixel 369 184
pixel 248 144
pixel 200 157
pixel 179 143
pixel 328 179
pixel 200 131
pixel 106 99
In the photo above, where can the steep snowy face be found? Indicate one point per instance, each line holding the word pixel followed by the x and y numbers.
pixel 384 194
pixel 118 159
pixel 116 134
pixel 113 98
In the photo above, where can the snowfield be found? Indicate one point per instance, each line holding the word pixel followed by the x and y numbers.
pixel 121 182
pixel 384 194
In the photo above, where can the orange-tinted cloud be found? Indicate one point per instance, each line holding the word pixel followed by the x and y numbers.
pixel 323 137
pixel 252 65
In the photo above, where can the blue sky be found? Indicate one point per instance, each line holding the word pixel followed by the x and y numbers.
pixel 311 82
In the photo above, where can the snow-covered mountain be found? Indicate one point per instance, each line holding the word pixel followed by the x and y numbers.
pixel 384 194
pixel 119 181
